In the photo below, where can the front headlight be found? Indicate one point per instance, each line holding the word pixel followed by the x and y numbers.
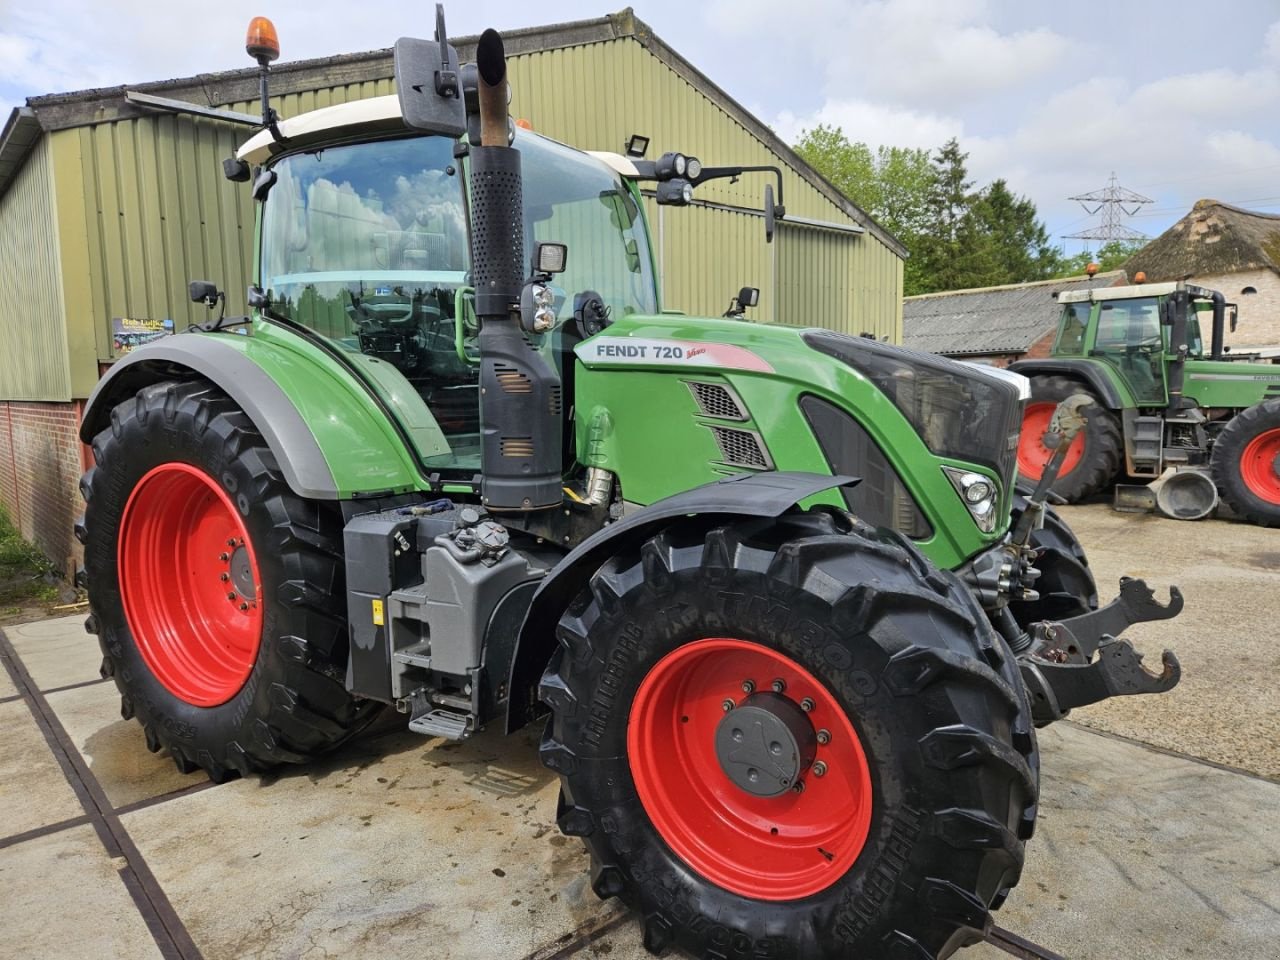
pixel 978 494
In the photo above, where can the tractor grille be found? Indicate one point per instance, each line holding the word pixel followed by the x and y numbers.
pixel 742 448
pixel 716 400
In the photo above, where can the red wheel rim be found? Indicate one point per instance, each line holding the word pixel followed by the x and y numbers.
pixel 190 585
pixel 1260 466
pixel 1032 453
pixel 767 848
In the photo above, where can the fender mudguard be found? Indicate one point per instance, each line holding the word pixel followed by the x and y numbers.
pixel 745 495
pixel 1081 369
pixel 351 451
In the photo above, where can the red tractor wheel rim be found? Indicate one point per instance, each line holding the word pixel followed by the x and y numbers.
pixel 1032 453
pixel 190 585
pixel 1260 466
pixel 767 848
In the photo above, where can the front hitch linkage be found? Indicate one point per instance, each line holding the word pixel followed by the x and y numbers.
pixel 1060 670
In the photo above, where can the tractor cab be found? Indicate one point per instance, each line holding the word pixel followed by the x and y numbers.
pixel 1138 331
pixel 366 243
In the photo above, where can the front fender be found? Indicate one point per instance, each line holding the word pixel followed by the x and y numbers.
pixel 750 495
pixel 328 435
pixel 1091 372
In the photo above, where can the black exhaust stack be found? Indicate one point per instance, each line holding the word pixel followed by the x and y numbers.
pixel 520 398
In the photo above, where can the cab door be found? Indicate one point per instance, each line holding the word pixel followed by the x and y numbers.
pixel 1128 336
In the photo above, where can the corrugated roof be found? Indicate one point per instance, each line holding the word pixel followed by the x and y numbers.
pixel 79 108
pixel 990 320
pixel 1214 238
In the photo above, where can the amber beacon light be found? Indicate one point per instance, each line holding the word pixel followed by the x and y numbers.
pixel 261 41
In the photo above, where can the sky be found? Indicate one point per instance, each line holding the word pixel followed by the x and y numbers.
pixel 1179 99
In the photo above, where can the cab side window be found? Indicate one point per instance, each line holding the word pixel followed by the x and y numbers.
pixel 1075 320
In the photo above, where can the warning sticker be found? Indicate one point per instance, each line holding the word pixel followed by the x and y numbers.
pixel 377 613
pixel 643 351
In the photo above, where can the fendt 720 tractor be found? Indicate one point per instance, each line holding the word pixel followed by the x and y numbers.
pixel 1163 399
pixel 789 624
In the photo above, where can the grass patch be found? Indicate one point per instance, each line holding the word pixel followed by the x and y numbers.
pixel 26 575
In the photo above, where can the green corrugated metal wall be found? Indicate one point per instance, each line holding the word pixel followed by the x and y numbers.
pixel 147 207
pixel 33 353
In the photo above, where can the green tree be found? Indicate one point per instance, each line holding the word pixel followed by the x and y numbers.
pixel 1110 256
pixel 1017 244
pixel 890 183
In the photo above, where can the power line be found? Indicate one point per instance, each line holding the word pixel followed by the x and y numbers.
pixel 1114 202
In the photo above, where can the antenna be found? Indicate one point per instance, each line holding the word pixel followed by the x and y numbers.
pixel 1115 202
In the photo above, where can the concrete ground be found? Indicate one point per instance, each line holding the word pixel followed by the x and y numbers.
pixel 404 847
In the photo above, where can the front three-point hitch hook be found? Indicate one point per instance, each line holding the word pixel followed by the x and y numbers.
pixel 1075 662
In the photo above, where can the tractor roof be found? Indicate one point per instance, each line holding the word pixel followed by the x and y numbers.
pixel 374 115
pixel 1133 292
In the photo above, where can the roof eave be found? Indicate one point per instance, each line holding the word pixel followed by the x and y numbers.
pixel 21 132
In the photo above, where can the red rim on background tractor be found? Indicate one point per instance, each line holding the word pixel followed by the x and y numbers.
pixel 1260 466
pixel 768 848
pixel 1032 453
pixel 190 584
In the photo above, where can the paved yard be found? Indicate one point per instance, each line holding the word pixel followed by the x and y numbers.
pixel 404 847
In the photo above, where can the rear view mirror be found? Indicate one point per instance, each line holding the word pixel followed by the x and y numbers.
pixel 427 83
pixel 770 213
pixel 203 291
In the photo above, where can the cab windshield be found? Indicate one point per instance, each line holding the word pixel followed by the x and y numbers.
pixel 367 244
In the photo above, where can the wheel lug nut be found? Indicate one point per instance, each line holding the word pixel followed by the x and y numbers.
pixel 224 557
pixel 806 705
pixel 728 705
pixel 231 542
pixel 778 686
pixel 224 577
pixel 799 787
pixel 231 595
pixel 819 769
pixel 748 686
pixel 244 606
pixel 824 737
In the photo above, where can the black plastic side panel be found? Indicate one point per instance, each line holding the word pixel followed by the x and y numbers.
pixel 746 495
pixel 1085 370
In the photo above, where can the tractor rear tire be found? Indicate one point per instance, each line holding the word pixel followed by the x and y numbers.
pixel 216 593
pixel 900 845
pixel 1246 464
pixel 1095 455
pixel 1066 585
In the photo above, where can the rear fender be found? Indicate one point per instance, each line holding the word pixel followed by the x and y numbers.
pixel 353 449
pixel 745 495
pixel 1086 370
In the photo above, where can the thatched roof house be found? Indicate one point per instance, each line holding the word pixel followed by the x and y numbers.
pixel 1224 248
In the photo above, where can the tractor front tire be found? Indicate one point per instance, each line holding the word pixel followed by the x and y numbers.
pixel 1066 585
pixel 791 738
pixel 1094 458
pixel 216 593
pixel 1246 464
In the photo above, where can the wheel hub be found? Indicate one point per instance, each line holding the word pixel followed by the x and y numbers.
pixel 242 576
pixel 765 744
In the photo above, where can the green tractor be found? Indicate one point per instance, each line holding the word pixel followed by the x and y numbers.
pixel 1165 399
pixel 459 462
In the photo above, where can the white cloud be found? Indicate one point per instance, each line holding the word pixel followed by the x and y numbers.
pixel 874 124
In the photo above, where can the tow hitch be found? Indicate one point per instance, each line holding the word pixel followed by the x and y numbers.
pixel 1060 669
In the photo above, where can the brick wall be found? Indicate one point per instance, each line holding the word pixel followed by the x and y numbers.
pixel 1259 312
pixel 41 460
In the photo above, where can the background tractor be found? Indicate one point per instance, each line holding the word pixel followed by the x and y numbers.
pixel 1164 398
pixel 458 461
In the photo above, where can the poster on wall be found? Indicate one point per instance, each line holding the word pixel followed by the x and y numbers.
pixel 130 332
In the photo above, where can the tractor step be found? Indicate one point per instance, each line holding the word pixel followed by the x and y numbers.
pixel 442 723
pixel 418 655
